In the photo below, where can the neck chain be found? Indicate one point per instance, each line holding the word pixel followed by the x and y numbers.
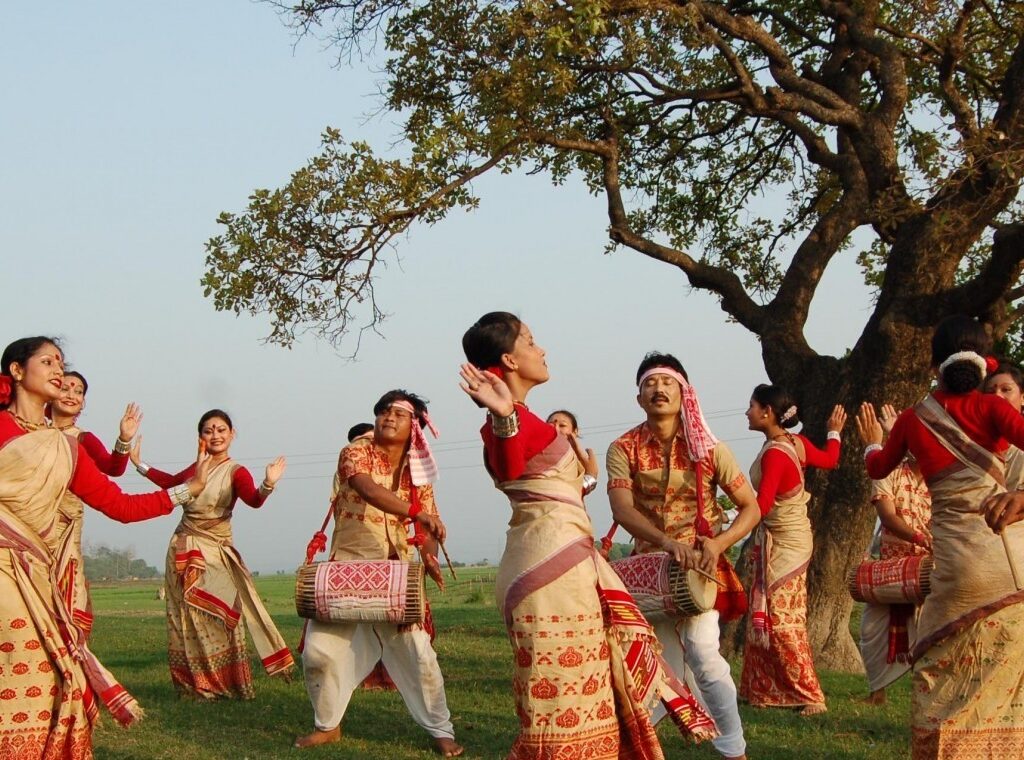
pixel 28 424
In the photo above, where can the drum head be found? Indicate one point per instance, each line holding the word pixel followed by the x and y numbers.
pixel 704 591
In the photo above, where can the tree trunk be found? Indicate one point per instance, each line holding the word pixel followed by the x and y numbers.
pixel 840 510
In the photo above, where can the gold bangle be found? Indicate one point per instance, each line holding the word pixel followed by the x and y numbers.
pixel 122 447
pixel 505 427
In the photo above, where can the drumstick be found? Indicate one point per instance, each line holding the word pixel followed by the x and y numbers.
pixel 714 578
pixel 448 560
pixel 1013 563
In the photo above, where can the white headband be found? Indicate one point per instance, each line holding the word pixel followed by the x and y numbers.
pixel 966 356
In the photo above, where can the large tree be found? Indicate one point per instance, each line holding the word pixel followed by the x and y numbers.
pixel 744 143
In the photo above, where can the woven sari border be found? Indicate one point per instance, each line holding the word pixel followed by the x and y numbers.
pixel 544 572
pixel 955 626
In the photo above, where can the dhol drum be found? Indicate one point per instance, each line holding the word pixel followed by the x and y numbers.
pixel 361 591
pixel 901 580
pixel 662 589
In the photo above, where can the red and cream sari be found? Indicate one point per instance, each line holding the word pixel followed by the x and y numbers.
pixel 968 687
pixel 51 683
pixel 778 669
pixel 209 593
pixel 587 671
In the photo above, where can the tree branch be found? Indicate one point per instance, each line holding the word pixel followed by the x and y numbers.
pixel 735 300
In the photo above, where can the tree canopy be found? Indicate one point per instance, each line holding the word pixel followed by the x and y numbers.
pixel 741 142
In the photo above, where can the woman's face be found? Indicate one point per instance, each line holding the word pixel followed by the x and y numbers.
pixel 72 397
pixel 1003 385
pixel 43 373
pixel 527 358
pixel 562 423
pixel 218 435
pixel 758 416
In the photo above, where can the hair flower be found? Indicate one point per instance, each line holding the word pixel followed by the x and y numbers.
pixel 5 389
pixel 991 363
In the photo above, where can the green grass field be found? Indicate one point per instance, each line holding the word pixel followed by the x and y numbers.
pixel 129 638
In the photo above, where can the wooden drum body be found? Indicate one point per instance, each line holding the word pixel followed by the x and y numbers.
pixel 662 589
pixel 361 591
pixel 901 580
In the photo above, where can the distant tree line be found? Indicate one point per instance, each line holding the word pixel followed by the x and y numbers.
pixel 104 563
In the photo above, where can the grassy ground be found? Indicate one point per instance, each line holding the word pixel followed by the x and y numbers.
pixel 129 638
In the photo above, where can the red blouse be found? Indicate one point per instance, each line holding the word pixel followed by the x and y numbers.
pixel 108 462
pixel 780 475
pixel 506 458
pixel 986 421
pixel 96 490
pixel 241 483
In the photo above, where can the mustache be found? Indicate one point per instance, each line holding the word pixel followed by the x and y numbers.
pixel 659 397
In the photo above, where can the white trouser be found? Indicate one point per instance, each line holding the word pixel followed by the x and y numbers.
pixel 874 645
pixel 338 656
pixel 690 646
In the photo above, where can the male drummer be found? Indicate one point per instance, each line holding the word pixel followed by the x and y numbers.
pixel 887 632
pixel 382 482
pixel 653 489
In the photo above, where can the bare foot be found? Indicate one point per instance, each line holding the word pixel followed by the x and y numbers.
pixel 447 747
pixel 874 698
pixel 810 710
pixel 318 737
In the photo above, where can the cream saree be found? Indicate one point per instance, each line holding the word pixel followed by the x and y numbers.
pixel 209 592
pixel 51 681
pixel 968 689
pixel 587 671
pixel 778 669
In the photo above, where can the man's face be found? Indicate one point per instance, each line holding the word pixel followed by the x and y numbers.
pixel 392 426
pixel 660 396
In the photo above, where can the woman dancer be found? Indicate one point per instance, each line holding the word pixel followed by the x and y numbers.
pixel 210 593
pixel 967 697
pixel 565 423
pixel 1007 381
pixel 778 670
pixel 64 413
pixel 904 509
pixel 51 680
pixel 586 670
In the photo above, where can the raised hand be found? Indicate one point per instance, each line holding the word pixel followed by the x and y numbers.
pixel 837 419
pixel 487 389
pixel 887 417
pixel 130 422
pixel 204 462
pixel 587 457
pixel 274 471
pixel 868 426
pixel 135 453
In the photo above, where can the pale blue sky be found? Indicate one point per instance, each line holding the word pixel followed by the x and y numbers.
pixel 128 126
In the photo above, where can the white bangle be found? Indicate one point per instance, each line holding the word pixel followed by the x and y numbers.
pixel 180 495
pixel 122 447
pixel 142 468
pixel 833 435
pixel 871 447
pixel 589 483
